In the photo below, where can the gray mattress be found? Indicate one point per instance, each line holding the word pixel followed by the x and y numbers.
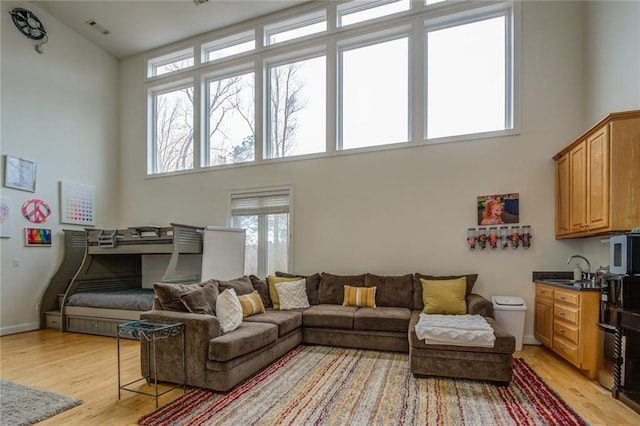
pixel 137 299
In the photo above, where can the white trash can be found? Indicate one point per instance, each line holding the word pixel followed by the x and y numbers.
pixel 510 312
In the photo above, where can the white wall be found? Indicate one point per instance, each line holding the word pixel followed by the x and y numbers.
pixel 613 60
pixel 406 210
pixel 613 76
pixel 58 109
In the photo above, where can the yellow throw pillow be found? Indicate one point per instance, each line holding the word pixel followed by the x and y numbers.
pixel 251 304
pixel 444 296
pixel 363 297
pixel 272 280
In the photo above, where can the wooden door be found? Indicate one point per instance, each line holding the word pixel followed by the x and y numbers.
pixel 543 329
pixel 562 195
pixel 578 188
pixel 598 179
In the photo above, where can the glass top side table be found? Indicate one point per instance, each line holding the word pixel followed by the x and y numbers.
pixel 148 332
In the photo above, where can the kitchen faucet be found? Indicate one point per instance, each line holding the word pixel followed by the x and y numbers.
pixel 588 275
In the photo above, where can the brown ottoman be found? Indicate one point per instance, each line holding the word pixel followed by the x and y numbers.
pixel 466 362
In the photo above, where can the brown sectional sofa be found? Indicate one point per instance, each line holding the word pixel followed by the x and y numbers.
pixel 221 361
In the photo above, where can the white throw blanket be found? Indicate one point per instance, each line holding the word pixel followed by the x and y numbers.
pixel 457 330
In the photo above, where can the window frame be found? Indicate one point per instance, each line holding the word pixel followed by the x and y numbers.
pixel 276 61
pixel 152 116
pixel 412 21
pixel 241 69
pixel 265 192
pixel 512 114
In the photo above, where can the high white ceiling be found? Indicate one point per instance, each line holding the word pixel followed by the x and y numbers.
pixel 137 26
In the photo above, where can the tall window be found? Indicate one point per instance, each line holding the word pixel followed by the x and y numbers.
pixel 375 90
pixel 297 108
pixel 466 79
pixel 173 130
pixel 230 120
pixel 266 217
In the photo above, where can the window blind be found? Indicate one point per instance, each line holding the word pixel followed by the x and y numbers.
pixel 270 202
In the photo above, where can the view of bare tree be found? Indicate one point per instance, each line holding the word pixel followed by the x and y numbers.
pixel 228 97
pixel 174 130
pixel 285 103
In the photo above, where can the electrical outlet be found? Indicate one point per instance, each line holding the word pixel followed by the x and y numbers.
pixel 16 263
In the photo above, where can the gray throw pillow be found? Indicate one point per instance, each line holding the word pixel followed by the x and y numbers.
pixel 169 295
pixel 241 285
pixel 202 300
pixel 262 288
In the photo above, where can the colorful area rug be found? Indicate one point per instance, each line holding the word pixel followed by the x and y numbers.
pixel 319 385
pixel 22 405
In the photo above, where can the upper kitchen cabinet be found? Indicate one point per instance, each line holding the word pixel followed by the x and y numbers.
pixel 598 179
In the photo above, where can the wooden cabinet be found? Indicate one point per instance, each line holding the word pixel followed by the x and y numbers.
pixel 566 321
pixel 543 328
pixel 598 179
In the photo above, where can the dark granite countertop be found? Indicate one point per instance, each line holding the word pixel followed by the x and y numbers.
pixel 550 277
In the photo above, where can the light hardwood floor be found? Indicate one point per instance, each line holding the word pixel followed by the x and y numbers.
pixel 85 367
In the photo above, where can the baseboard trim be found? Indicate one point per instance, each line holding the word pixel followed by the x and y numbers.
pixel 20 328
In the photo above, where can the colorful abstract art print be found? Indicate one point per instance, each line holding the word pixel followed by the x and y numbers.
pixel 37 237
pixel 77 203
pixel 497 209
pixel 6 222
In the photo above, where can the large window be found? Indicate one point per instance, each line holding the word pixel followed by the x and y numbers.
pixel 266 216
pixel 375 94
pixel 466 78
pixel 297 108
pixel 230 120
pixel 385 74
pixel 173 130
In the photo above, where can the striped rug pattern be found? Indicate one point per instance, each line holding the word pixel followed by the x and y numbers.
pixel 317 385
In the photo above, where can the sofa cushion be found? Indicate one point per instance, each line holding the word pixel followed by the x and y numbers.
pixel 287 321
pixel 329 316
pixel 312 284
pixel 169 294
pixel 241 285
pixel 359 296
pixel 247 338
pixel 392 291
pixel 251 304
pixel 382 319
pixel 228 310
pixel 417 285
pixel 505 343
pixel 272 280
pixel 202 300
pixel 331 287
pixel 292 294
pixel 262 288
pixel 444 296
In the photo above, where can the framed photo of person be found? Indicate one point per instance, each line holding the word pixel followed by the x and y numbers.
pixel 497 209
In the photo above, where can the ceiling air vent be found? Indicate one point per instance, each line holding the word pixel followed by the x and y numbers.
pixel 200 1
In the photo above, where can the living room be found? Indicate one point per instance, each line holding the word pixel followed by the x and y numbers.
pixel 80 114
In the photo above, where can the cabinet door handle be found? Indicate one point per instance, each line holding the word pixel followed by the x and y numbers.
pixel 562 298
pixel 561 314
pixel 562 330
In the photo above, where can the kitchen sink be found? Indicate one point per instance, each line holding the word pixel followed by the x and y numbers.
pixel 572 283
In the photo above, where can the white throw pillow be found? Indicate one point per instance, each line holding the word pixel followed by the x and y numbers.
pixel 229 310
pixel 293 294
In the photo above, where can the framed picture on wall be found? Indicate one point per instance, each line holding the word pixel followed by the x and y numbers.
pixel 37 237
pixel 20 174
pixel 497 209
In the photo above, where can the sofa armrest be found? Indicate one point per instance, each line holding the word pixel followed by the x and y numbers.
pixel 479 305
pixel 198 330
